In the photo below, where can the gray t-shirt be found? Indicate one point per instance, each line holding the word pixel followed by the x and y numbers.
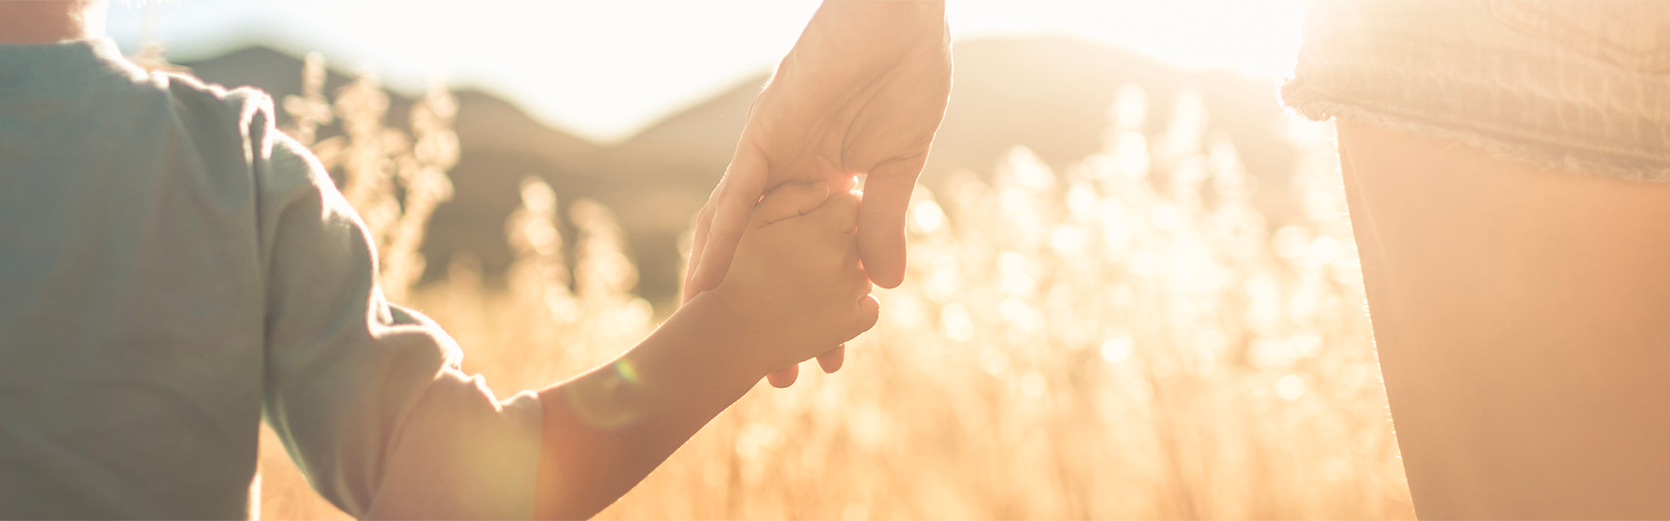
pixel 173 270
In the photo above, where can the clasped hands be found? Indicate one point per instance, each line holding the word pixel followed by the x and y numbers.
pixel 861 93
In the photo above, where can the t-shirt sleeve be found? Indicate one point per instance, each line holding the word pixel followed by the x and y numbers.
pixel 368 396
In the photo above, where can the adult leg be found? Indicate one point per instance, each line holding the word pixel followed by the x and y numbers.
pixel 1522 320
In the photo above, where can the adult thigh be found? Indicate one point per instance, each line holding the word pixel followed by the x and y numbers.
pixel 1522 320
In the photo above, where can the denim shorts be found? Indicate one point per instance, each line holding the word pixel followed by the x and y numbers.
pixel 1578 85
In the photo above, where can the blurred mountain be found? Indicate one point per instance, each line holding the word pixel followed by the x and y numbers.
pixel 1049 94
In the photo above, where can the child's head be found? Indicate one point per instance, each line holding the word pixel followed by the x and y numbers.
pixel 50 21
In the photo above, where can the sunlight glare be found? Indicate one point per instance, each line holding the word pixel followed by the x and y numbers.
pixel 608 69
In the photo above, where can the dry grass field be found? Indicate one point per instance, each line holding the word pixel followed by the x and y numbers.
pixel 1123 339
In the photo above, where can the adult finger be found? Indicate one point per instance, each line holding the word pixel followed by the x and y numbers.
pixel 785 377
pixel 791 200
pixel 840 212
pixel 732 201
pixel 831 361
pixel 881 227
pixel 704 221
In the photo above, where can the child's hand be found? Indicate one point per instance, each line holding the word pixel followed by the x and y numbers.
pixel 796 279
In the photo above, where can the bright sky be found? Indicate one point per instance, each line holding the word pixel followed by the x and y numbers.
pixel 607 68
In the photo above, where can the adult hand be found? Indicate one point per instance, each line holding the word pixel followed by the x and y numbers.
pixel 862 92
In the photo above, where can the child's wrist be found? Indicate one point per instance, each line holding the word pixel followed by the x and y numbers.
pixel 740 334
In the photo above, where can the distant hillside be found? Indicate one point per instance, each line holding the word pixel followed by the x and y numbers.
pixel 1049 94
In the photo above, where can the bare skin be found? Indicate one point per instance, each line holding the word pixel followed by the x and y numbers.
pixel 1520 317
pixel 862 92
pixel 795 288
pixel 50 21
pixel 873 122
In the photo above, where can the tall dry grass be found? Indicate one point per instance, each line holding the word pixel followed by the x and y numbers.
pixel 1122 339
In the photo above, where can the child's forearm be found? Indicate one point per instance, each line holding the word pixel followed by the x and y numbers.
pixel 936 5
pixel 604 431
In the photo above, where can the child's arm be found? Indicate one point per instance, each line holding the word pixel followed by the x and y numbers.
pixel 794 290
pixel 369 400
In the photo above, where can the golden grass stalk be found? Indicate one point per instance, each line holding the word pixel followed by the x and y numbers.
pixel 1126 338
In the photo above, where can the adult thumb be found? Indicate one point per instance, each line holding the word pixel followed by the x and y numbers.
pixel 881 228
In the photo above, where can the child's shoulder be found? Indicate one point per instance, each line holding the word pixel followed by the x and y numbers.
pixel 237 121
pixel 197 102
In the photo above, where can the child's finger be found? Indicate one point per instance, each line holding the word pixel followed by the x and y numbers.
pixel 790 200
pixel 839 213
pixel 869 310
pixel 785 377
pixel 861 287
pixel 831 361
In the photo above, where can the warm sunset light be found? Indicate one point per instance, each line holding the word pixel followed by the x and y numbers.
pixel 834 259
pixel 606 69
